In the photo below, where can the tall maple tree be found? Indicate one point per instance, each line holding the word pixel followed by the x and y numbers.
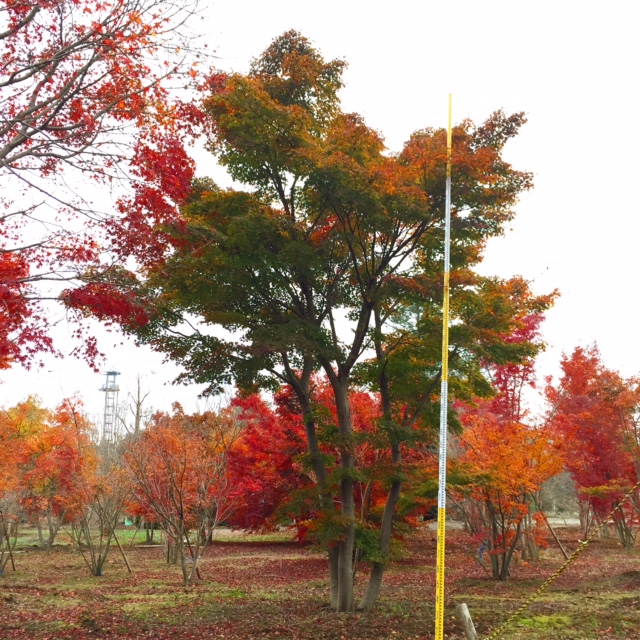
pixel 334 247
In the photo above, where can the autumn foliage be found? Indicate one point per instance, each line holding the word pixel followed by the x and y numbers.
pixel 504 461
pixel 85 100
pixel 178 468
pixel 593 410
pixel 325 228
pixel 265 465
pixel 47 461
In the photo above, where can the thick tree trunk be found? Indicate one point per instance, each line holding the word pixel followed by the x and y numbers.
pixel 348 512
pixel 345 548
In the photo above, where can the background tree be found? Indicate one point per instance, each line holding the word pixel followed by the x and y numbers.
pixel 102 497
pixel 58 458
pixel 504 461
pixel 179 476
pixel 265 465
pixel 593 410
pixel 504 464
pixel 17 424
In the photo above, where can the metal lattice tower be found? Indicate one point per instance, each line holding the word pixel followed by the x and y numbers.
pixel 110 389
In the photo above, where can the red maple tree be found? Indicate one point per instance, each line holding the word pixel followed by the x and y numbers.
pixel 85 102
pixel 593 409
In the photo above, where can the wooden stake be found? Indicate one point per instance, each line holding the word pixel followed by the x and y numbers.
pixel 465 618
pixel 113 533
pixel 555 537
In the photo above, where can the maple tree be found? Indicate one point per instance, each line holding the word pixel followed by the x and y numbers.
pixel 501 469
pixel 15 423
pixel 501 461
pixel 85 99
pixel 265 466
pixel 47 458
pixel 102 497
pixel 332 229
pixel 179 478
pixel 269 465
pixel 593 409
pixel 57 459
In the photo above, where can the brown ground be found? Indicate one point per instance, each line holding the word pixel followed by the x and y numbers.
pixel 267 590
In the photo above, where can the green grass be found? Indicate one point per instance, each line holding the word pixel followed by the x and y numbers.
pixel 544 622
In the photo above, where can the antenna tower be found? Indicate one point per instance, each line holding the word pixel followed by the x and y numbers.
pixel 110 389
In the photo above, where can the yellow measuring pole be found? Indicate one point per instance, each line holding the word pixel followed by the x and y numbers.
pixel 444 391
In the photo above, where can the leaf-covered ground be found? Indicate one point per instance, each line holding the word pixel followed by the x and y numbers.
pixel 253 589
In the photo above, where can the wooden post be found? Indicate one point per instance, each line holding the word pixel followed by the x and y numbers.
pixel 113 533
pixel 555 537
pixel 465 618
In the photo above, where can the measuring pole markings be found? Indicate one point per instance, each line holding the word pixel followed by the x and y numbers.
pixel 444 389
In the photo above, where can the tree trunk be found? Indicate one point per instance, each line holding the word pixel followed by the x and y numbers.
pixel 52 525
pixel 301 387
pixel 386 529
pixel 348 512
pixel 345 546
pixel 530 550
pixel 386 525
pixel 149 528
pixel 506 561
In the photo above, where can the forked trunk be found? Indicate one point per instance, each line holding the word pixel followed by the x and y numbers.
pixel 386 525
pixel 301 388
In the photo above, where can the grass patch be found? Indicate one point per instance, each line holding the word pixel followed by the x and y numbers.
pixel 545 622
pixel 226 536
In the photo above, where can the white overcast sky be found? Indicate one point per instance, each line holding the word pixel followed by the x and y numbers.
pixel 571 66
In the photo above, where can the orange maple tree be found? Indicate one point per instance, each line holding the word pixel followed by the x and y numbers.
pixel 46 463
pixel 503 466
pixel 178 467
pixel 58 458
pixel 504 462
